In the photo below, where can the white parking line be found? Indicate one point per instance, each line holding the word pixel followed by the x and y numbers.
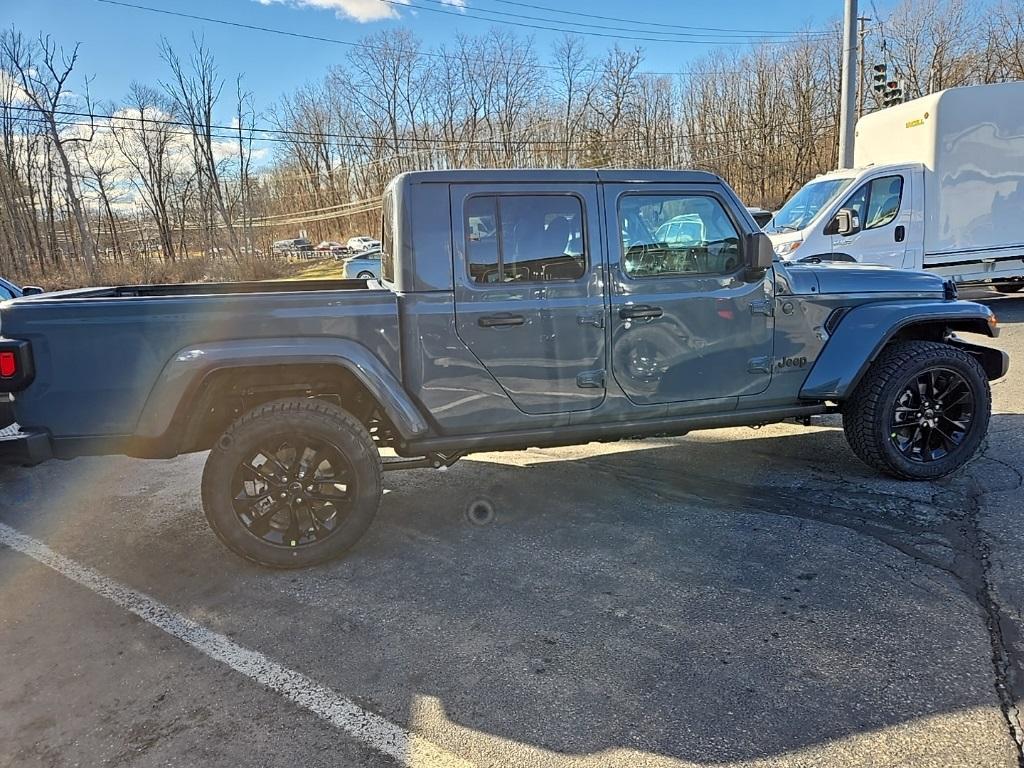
pixel 369 728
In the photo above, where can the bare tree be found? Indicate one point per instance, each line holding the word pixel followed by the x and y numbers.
pixel 43 70
pixel 1003 55
pixel 103 165
pixel 150 144
pixel 195 89
pixel 574 87
pixel 245 121
pixel 764 117
pixel 615 97
pixel 931 44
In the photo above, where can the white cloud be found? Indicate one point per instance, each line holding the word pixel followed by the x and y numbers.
pixel 362 11
pixel 10 91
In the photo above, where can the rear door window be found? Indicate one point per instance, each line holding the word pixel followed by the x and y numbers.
pixel 524 238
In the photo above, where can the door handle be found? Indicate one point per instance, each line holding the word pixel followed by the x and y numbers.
pixel 900 233
pixel 500 321
pixel 640 312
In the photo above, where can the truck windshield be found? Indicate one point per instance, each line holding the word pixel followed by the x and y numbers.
pixel 802 207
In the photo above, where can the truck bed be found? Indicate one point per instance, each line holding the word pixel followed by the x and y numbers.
pixel 99 351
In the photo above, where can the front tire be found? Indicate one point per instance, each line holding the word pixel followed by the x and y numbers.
pixel 292 483
pixel 920 412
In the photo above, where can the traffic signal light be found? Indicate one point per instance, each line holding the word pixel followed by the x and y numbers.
pixel 890 92
pixel 893 94
pixel 878 77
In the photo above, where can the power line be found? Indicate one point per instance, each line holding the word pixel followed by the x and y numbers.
pixel 280 135
pixel 312 137
pixel 323 209
pixel 349 43
pixel 741 32
pixel 701 37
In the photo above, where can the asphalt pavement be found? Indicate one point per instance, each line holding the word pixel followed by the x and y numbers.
pixel 735 597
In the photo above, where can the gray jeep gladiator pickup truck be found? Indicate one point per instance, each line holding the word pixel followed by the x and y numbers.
pixel 515 309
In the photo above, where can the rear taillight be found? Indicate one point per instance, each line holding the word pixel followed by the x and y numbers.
pixel 17 368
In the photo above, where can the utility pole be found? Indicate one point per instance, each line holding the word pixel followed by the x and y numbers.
pixel 860 64
pixel 848 106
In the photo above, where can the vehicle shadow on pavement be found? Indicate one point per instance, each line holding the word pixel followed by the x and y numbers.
pixel 733 595
pixel 710 601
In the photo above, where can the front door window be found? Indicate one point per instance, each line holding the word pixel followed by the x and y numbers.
pixel 677 235
pixel 877 202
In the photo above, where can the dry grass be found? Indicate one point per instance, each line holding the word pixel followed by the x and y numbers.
pixel 316 269
pixel 193 269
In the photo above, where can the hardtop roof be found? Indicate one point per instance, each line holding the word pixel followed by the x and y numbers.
pixel 555 175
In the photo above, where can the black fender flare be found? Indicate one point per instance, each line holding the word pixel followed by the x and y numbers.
pixel 185 372
pixel 864 331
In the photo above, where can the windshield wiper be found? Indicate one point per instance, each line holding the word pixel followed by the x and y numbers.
pixel 786 228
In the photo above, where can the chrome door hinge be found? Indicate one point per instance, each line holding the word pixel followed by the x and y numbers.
pixel 595 319
pixel 590 380
pixel 763 307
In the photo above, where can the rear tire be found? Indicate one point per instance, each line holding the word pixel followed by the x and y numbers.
pixel 366 276
pixel 1008 287
pixel 920 412
pixel 292 483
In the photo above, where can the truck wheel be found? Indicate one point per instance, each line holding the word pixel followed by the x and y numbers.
pixel 1008 287
pixel 920 412
pixel 292 483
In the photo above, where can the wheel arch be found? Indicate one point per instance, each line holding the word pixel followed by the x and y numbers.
pixel 187 403
pixel 864 331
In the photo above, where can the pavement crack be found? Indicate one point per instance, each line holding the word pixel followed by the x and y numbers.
pixel 1009 684
pixel 969 564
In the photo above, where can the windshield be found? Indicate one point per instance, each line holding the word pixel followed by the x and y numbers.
pixel 802 207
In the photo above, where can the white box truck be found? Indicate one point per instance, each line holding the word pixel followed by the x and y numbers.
pixel 938 185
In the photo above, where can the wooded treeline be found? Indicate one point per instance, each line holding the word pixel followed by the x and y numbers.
pixel 184 179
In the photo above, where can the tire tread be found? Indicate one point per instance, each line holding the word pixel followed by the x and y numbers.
pixel 340 419
pixel 861 411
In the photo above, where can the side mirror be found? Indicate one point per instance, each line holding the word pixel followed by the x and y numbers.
pixel 759 253
pixel 31 290
pixel 846 222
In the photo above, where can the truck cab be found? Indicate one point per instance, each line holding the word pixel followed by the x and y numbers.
pixel 885 203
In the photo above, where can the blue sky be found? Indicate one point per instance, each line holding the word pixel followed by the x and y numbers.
pixel 119 44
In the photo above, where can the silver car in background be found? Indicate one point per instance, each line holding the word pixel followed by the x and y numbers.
pixel 362 266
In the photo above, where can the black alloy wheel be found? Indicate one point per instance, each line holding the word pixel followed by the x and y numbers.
pixel 933 415
pixel 293 492
pixel 920 411
pixel 292 483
